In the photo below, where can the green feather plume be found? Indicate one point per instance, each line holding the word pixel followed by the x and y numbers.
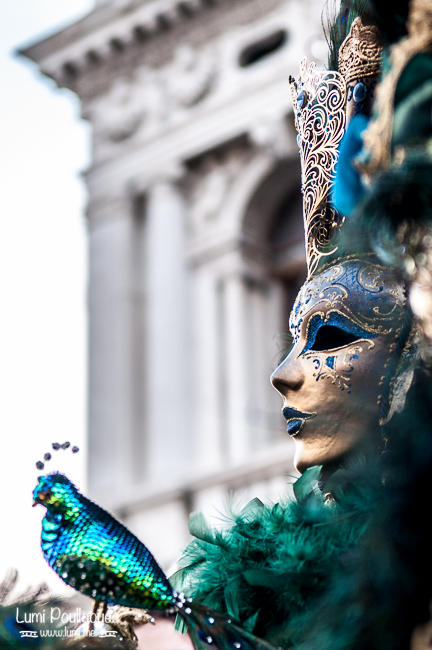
pixel 353 573
pixel 275 559
pixel 337 19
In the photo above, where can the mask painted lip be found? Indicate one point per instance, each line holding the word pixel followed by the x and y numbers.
pixel 295 419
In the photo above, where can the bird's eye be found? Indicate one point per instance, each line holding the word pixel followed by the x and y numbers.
pixel 330 337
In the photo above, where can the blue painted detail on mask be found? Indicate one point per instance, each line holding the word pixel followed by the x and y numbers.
pixel 336 320
pixel 296 330
pixel 330 362
pixel 290 413
pixel 294 427
pixel 356 289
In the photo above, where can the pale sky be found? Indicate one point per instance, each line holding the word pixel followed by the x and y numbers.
pixel 43 147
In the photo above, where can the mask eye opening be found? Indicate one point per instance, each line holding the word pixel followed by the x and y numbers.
pixel 332 332
pixel 331 337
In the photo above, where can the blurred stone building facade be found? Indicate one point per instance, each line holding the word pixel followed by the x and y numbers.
pixel 195 246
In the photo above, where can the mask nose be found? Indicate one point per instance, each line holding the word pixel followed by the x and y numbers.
pixel 288 376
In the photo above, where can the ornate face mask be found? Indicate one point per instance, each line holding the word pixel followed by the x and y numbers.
pixel 347 318
pixel 345 325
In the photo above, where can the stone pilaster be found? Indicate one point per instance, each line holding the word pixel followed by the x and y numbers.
pixel 237 379
pixel 169 436
pixel 209 409
pixel 110 348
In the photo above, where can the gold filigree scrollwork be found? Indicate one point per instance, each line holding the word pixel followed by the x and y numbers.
pixel 364 293
pixel 327 366
pixel 360 53
pixel 319 100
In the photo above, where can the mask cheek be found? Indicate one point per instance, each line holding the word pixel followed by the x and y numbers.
pixel 332 370
pixel 346 369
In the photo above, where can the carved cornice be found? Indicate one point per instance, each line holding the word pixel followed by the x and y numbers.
pixel 108 32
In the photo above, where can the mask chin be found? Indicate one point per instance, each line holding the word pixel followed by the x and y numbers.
pixel 332 453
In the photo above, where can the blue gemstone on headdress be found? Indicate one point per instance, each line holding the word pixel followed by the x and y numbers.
pixel 359 92
pixel 302 100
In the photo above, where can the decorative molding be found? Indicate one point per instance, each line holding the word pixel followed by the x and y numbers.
pixel 131 105
pixel 209 196
pixel 126 33
pixel 173 174
pixel 149 22
pixel 192 75
pixel 120 115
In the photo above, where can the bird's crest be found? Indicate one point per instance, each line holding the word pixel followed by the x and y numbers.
pixel 56 447
pixel 55 491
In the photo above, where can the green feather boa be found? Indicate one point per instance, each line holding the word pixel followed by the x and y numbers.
pixel 350 573
pixel 275 561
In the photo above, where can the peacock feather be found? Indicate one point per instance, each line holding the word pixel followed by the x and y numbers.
pixel 337 20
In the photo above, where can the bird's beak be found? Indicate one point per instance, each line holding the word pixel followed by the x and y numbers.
pixel 34 504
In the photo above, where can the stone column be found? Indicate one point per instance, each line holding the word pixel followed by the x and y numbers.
pixel 110 348
pixel 237 379
pixel 209 409
pixel 169 435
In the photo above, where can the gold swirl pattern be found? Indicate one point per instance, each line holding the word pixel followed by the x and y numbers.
pixel 366 293
pixel 327 366
pixel 360 53
pixel 319 100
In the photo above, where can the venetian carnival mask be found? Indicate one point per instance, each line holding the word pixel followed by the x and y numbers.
pixel 349 315
pixel 345 325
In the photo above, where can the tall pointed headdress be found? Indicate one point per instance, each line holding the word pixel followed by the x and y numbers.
pixel 319 103
pixel 319 100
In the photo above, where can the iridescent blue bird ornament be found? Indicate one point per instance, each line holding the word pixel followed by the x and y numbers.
pixel 94 553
